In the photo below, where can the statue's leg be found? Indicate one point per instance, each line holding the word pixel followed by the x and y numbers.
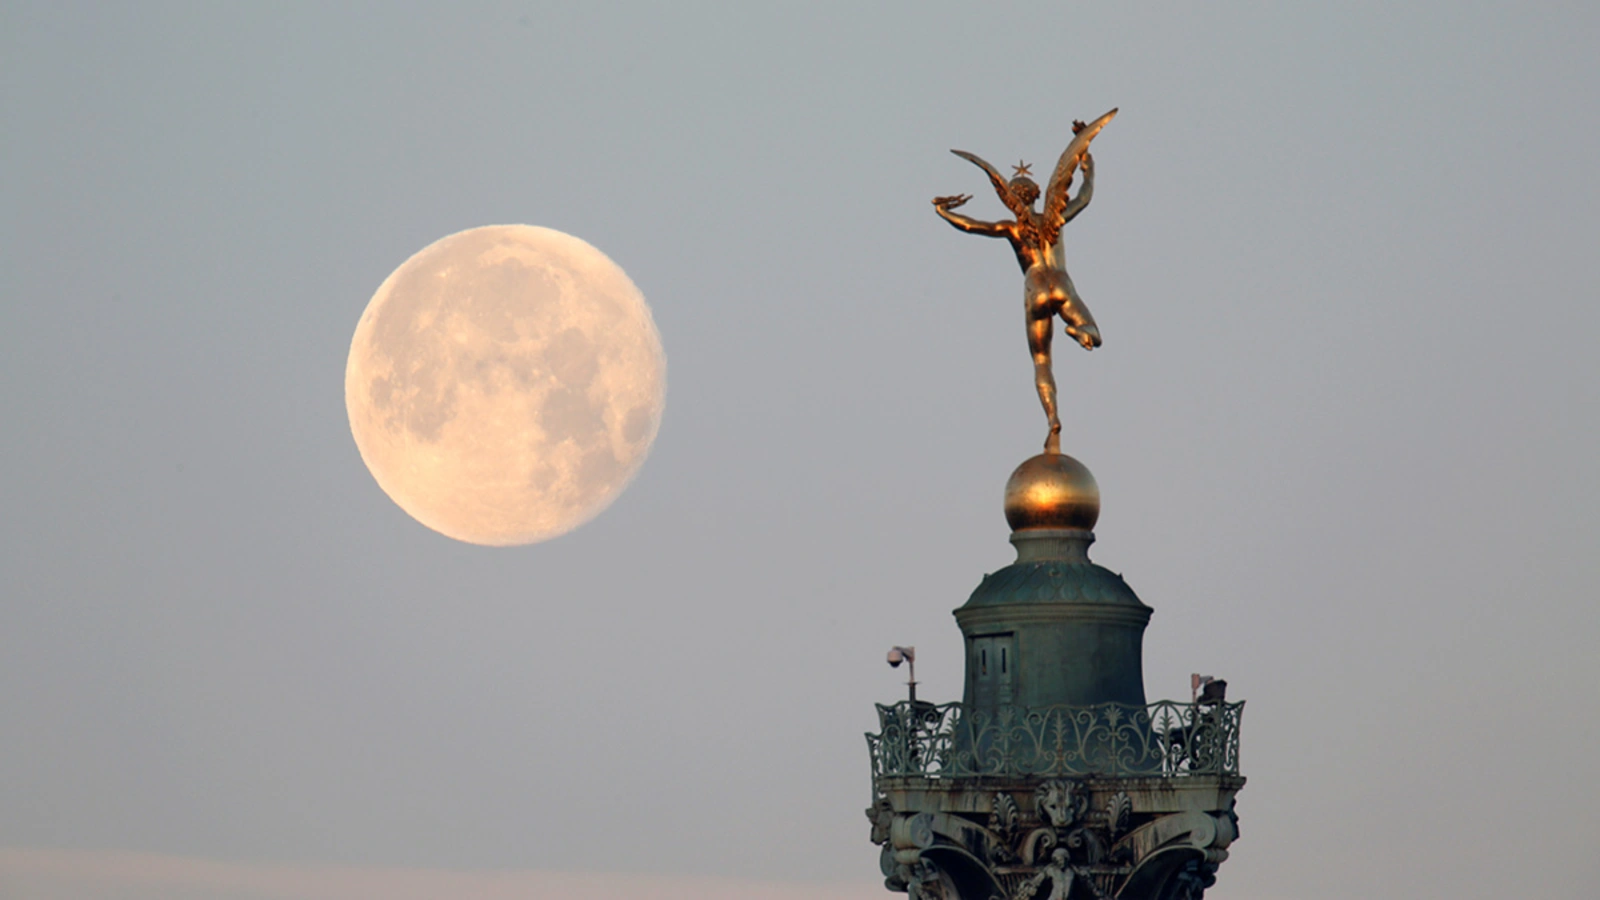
pixel 1040 330
pixel 1080 322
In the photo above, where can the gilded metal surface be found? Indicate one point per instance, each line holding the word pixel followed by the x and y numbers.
pixel 1035 237
pixel 1164 739
pixel 1052 490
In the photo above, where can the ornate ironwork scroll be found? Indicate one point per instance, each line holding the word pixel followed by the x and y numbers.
pixel 1165 738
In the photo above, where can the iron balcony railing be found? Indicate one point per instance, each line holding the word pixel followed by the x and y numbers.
pixel 1165 739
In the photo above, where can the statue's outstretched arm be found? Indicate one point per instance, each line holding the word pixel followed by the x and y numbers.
pixel 943 205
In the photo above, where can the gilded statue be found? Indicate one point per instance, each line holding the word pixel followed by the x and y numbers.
pixel 1035 236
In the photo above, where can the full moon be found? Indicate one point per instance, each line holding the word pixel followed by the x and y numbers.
pixel 505 384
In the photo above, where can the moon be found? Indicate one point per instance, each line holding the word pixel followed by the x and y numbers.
pixel 505 384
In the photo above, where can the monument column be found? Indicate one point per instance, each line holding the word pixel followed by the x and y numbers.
pixel 1054 778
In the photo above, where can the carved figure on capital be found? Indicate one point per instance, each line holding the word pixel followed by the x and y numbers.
pixel 1192 880
pixel 1057 873
pixel 880 814
pixel 924 881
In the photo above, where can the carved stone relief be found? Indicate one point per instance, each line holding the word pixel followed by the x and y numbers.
pixel 880 814
pixel 1060 802
pixel 1191 881
pixel 924 881
pixel 1065 845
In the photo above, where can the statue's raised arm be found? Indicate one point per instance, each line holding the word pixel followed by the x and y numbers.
pixel 1056 213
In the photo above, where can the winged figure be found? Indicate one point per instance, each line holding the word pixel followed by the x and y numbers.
pixel 1035 236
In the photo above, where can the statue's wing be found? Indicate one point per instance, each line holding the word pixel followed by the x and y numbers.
pixel 1055 196
pixel 1000 185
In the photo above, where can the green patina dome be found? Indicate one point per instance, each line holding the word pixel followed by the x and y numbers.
pixel 1053 581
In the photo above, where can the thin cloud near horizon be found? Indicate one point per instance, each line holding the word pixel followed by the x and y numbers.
pixel 44 874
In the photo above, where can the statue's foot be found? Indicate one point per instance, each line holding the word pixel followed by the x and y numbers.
pixel 1087 335
pixel 1052 444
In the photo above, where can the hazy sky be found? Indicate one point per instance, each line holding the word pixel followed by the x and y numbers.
pixel 1345 424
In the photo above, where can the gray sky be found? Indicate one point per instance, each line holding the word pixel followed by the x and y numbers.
pixel 1344 423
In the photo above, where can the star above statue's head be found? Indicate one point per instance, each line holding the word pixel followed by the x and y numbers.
pixel 1022 169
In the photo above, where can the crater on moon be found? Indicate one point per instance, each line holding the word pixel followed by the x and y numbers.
pixel 505 384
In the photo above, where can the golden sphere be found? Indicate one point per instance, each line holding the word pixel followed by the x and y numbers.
pixel 1052 490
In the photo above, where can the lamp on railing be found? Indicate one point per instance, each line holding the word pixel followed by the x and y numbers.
pixel 907 655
